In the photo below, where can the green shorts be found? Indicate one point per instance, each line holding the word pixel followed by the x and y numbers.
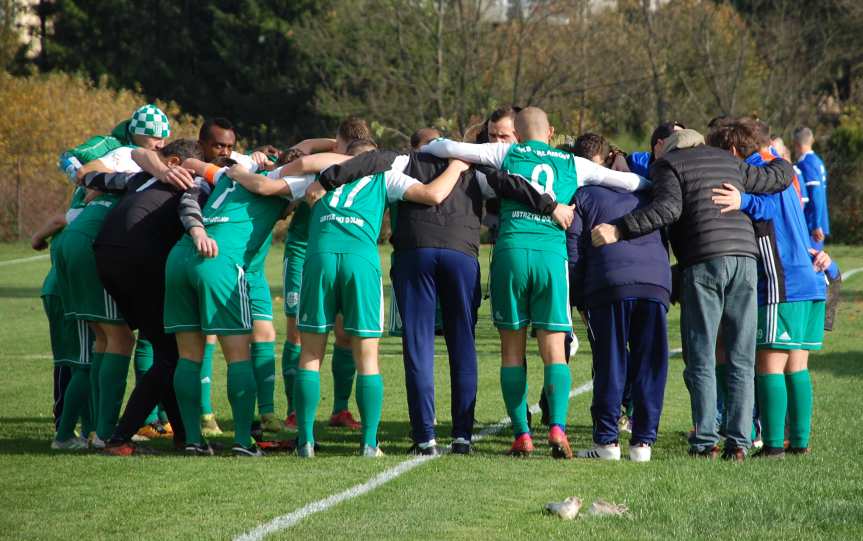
pixel 791 325
pixel 336 283
pixel 260 299
pixel 530 287
pixel 208 295
pixel 71 339
pixel 292 279
pixel 80 288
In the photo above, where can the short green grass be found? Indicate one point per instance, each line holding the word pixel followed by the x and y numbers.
pixel 45 495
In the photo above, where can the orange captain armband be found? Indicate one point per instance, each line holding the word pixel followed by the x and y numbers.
pixel 210 173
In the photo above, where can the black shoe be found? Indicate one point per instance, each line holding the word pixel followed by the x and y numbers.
pixel 252 451
pixel 257 431
pixel 431 450
pixel 833 289
pixel 710 454
pixel 799 451
pixel 737 454
pixel 198 449
pixel 460 446
pixel 770 452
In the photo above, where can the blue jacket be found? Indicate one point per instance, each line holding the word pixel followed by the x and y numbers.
pixel 815 179
pixel 639 163
pixel 785 271
pixel 628 269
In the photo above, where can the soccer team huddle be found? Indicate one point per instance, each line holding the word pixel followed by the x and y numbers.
pixel 169 240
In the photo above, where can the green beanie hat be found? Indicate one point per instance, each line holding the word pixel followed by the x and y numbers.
pixel 150 120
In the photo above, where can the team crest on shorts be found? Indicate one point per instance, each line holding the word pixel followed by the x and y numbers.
pixel 292 298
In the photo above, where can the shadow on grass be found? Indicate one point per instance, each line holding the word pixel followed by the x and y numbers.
pixel 840 364
pixel 20 292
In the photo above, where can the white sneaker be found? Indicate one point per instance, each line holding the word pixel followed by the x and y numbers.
pixel 602 452
pixel 639 452
pixel 573 348
pixel 72 444
pixel 371 452
pixel 96 442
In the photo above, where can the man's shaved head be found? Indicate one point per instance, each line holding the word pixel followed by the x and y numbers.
pixel 532 124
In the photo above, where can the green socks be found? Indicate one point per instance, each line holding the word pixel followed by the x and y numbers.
pixel 264 362
pixel 307 394
pixel 95 367
pixel 290 361
pixel 187 387
pixel 370 400
pixel 112 388
pixel 242 392
pixel 343 377
pixel 772 406
pixel 513 384
pixel 556 389
pixel 143 362
pixel 799 407
pixel 781 393
pixel 206 380
pixel 76 401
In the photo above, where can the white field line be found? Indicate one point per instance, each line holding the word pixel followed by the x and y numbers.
pixel 848 274
pixel 23 260
pixel 292 519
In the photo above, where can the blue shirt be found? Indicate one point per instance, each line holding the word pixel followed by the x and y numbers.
pixel 785 271
pixel 815 179
pixel 639 163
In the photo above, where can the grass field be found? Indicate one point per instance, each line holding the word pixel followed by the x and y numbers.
pixel 46 495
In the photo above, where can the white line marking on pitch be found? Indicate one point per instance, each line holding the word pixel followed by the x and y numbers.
pixel 23 260
pixel 849 274
pixel 292 519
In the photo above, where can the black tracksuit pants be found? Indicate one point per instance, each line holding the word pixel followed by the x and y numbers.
pixel 137 284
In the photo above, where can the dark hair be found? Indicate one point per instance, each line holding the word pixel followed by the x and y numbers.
pixel 740 134
pixel 588 145
pixel 762 132
pixel 358 146
pixel 182 148
pixel 418 136
pixel 719 121
pixel 353 128
pixel 502 112
pixel 219 122
pixel 664 131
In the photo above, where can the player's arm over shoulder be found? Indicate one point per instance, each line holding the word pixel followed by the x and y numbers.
pixel 491 154
pixel 593 173
pixel 432 193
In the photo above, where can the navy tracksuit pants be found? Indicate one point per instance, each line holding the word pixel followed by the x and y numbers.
pixel 420 277
pixel 630 346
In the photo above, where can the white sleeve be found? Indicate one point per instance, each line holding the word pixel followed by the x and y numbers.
pixel 397 184
pixel 486 190
pixel 592 173
pixel 244 160
pixel 491 154
pixel 120 160
pixel 298 185
pixel 71 214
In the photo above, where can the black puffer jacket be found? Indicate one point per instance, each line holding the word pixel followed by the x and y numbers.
pixel 683 182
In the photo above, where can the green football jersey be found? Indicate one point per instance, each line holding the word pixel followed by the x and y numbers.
pixel 348 219
pixel 298 230
pixel 89 221
pixel 51 286
pixel 549 170
pixel 238 220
